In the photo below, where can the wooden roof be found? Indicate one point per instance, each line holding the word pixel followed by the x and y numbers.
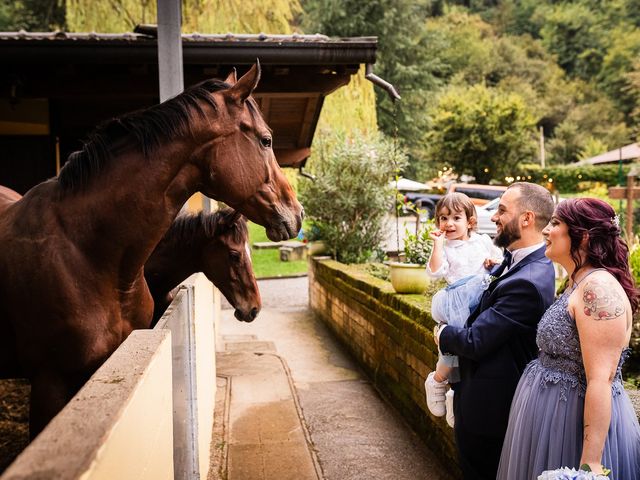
pixel 81 79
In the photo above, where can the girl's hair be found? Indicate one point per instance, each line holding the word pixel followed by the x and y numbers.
pixel 457 202
pixel 605 247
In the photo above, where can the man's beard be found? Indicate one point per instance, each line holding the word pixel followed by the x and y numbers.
pixel 509 234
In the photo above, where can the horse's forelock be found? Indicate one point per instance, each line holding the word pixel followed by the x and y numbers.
pixel 223 221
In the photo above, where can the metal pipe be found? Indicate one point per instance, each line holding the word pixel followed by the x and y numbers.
pixel 376 80
pixel 308 175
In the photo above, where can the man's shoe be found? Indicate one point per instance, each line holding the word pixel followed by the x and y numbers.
pixel 449 405
pixel 435 395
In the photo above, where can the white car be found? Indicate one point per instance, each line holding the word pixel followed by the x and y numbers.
pixel 485 212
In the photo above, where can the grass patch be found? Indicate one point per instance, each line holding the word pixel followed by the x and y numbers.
pixel 266 262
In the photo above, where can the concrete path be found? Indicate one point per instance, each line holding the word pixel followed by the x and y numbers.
pixel 298 407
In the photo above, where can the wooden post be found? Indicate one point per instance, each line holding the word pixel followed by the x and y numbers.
pixel 631 180
pixel 630 193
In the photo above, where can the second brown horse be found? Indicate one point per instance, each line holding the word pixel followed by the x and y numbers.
pixel 215 244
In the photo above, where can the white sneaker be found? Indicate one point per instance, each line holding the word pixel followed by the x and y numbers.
pixel 435 395
pixel 449 405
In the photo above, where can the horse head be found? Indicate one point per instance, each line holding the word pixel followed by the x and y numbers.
pixel 240 151
pixel 226 262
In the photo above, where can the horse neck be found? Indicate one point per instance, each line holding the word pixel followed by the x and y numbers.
pixel 128 209
pixel 171 263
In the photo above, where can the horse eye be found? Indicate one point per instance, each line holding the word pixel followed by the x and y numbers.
pixel 235 256
pixel 266 142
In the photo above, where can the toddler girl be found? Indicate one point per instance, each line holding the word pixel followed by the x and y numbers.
pixel 463 258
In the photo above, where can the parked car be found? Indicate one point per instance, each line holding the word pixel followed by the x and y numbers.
pixel 485 212
pixel 478 193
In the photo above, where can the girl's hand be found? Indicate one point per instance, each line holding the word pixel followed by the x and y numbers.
pixel 490 262
pixel 436 235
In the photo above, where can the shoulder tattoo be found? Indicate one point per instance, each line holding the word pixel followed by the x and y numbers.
pixel 600 302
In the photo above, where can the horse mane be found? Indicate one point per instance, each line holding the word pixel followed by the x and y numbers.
pixel 187 228
pixel 144 130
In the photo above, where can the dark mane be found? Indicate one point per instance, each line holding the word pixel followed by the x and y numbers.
pixel 143 130
pixel 188 228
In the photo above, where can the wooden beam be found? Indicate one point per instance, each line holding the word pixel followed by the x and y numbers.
pixel 620 193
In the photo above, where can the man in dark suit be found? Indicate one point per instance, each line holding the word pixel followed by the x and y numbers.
pixel 498 339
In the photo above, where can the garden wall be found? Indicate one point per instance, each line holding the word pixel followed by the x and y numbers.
pixel 390 335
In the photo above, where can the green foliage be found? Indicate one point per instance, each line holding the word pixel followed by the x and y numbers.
pixel 205 16
pixel 32 15
pixel 617 63
pixel 569 178
pixel 481 132
pixel 574 33
pixel 634 262
pixel 350 110
pixel 351 194
pixel 404 57
pixel 418 246
pixel 585 123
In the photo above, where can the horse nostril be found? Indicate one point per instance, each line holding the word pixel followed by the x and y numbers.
pixel 301 213
pixel 254 313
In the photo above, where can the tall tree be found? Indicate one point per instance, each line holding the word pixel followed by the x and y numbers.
pixel 574 32
pixel 32 15
pixel 481 132
pixel 204 16
pixel 403 56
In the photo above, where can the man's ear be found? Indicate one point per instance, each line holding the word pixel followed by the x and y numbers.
pixel 529 218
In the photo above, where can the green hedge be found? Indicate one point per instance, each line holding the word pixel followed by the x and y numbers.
pixel 568 178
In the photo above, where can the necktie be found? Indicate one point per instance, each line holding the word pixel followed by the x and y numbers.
pixel 506 262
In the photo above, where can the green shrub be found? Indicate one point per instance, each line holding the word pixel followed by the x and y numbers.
pixel 634 263
pixel 418 246
pixel 351 194
pixel 567 178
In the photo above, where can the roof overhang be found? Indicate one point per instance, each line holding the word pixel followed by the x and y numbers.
pixel 87 77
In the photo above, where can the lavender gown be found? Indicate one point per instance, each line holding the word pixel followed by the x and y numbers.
pixel 546 418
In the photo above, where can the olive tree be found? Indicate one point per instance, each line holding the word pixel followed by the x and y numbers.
pixel 351 193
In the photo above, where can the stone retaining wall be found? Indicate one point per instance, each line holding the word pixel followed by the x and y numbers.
pixel 390 336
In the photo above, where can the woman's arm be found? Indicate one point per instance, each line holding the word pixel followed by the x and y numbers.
pixel 601 310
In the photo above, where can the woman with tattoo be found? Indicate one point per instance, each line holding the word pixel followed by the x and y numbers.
pixel 570 408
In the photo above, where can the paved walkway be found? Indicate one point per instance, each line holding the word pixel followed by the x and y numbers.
pixel 295 406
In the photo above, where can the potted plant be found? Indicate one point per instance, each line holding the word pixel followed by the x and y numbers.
pixel 411 276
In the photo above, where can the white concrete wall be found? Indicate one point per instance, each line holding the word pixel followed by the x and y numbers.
pixel 192 317
pixel 204 313
pixel 118 426
pixel 147 413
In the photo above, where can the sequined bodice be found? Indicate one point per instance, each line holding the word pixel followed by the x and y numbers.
pixel 560 354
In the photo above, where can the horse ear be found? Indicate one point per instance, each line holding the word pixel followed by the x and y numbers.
pixel 232 78
pixel 233 218
pixel 247 83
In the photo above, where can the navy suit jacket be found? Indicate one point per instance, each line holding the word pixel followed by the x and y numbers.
pixel 496 344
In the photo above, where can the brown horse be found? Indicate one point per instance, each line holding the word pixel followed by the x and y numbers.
pixel 215 244
pixel 7 197
pixel 72 250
